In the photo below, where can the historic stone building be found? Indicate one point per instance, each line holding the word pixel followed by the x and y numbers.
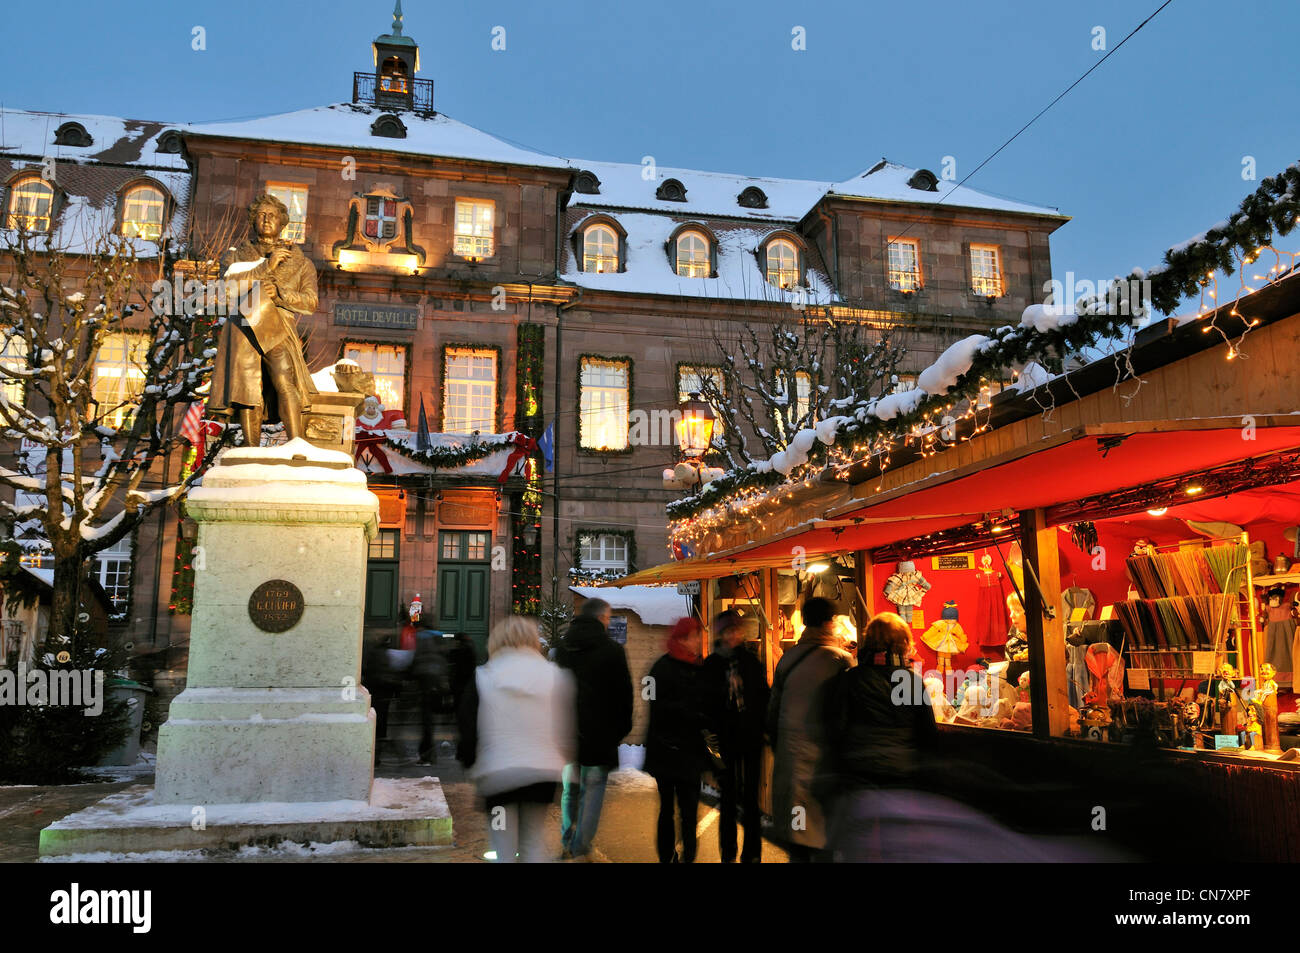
pixel 511 296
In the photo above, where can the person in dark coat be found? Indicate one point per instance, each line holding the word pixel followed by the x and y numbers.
pixel 880 730
pixel 735 700
pixel 675 752
pixel 604 718
pixel 432 675
pixel 379 678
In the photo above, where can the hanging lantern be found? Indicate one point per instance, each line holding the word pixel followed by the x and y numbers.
pixel 695 429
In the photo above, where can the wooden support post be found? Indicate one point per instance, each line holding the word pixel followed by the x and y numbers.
pixel 862 576
pixel 1048 690
pixel 771 609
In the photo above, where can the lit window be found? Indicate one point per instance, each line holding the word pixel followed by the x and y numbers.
pixel 381 218
pixel 602 404
pixel 294 198
pixel 985 273
pixel 388 363
pixel 476 545
pixel 474 220
pixel 802 400
pixel 469 391
pixel 693 255
pixel 142 216
pixel 13 356
pixel 689 381
pixel 782 263
pixel 904 264
pixel 115 572
pixel 602 552
pixel 393 78
pixel 119 377
pixel 383 545
pixel 599 249
pixel 30 202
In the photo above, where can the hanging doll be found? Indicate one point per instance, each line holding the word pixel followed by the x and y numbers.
pixel 946 638
pixel 991 621
pixel 906 588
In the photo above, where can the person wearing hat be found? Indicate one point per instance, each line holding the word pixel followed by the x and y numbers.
pixel 735 701
pixel 675 750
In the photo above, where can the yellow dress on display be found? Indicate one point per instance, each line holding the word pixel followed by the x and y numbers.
pixel 946 638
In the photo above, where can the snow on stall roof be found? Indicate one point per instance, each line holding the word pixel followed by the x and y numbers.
pixel 887 181
pixel 348 125
pixel 648 270
pixel 707 193
pixel 655 605
pixel 44 575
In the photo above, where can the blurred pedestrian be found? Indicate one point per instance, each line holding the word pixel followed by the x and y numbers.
pixel 794 723
pixel 879 727
pixel 735 699
pixel 432 675
pixel 462 659
pixel 604 718
pixel 675 750
pixel 516 734
pixel 382 680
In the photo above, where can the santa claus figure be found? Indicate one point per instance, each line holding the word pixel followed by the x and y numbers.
pixel 374 418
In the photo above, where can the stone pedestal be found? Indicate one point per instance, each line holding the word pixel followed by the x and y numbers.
pixel 273 709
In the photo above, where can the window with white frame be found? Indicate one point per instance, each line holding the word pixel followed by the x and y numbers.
pixel 474 223
pixel 115 572
pixel 13 359
pixel 31 200
pixel 986 271
pixel 603 403
pixel 802 399
pixel 693 255
pixel 690 380
pixel 142 213
pixel 387 362
pixel 469 390
pixel 294 198
pixel 904 264
pixel 599 249
pixel 602 552
pixel 119 377
pixel 905 382
pixel 782 263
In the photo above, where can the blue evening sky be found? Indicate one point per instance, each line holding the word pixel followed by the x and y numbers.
pixel 1146 152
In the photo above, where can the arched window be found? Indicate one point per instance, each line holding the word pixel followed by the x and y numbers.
pixel 31 201
pixel 142 213
pixel 782 263
pixel 599 249
pixel 692 255
pixel 392 76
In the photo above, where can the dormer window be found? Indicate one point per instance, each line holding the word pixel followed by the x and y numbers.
pixel 924 180
pixel 169 143
pixel 142 212
pixel 671 190
pixel 599 249
pixel 587 183
pixel 752 197
pixel 693 255
pixel 388 126
pixel 782 263
pixel 31 202
pixel 72 134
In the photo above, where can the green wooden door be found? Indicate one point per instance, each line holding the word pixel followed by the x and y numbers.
pixel 464 585
pixel 382 579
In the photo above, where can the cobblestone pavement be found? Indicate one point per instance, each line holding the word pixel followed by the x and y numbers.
pixel 626 833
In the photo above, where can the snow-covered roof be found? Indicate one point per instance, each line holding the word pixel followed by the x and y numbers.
pixel 623 186
pixel 648 270
pixel 655 605
pixel 348 125
pixel 116 141
pixel 887 182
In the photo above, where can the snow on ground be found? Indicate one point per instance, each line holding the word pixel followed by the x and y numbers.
pixel 655 605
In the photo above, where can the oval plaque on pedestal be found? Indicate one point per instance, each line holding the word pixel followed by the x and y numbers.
pixel 275 606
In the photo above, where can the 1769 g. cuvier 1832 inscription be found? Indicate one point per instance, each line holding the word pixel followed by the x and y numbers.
pixel 275 606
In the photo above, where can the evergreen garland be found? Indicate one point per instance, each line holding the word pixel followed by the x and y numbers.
pixel 449 458
pixel 1274 208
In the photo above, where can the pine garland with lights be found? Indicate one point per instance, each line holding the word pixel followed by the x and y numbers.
pixel 1274 208
pixel 182 597
pixel 449 458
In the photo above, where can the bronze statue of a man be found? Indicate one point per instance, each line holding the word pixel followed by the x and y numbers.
pixel 260 372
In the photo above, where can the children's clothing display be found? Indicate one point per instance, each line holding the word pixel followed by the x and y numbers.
pixel 1076 667
pixel 991 619
pixel 906 588
pixel 1279 628
pixel 946 637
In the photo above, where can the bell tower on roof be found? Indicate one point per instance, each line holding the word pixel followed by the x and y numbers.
pixel 393 85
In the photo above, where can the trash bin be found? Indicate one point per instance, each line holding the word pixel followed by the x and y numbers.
pixel 133 693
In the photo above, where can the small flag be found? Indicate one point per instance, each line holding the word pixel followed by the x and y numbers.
pixel 546 444
pixel 192 427
pixel 422 442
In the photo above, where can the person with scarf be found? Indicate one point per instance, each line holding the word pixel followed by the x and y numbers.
pixel 675 743
pixel 736 695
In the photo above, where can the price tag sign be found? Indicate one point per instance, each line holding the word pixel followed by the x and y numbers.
pixel 691 588
pixel 1139 678
pixel 918 619
pixel 1226 741
pixel 1202 663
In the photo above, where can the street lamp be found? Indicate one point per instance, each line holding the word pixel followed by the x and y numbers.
pixel 695 429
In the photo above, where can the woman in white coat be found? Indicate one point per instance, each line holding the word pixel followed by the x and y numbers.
pixel 516 734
